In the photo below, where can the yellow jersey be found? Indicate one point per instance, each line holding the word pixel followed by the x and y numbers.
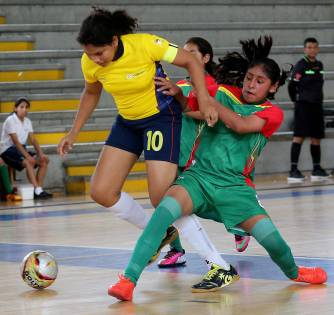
pixel 129 78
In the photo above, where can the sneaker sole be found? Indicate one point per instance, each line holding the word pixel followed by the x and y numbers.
pixel 118 296
pixel 180 264
pixel 320 178
pixel 292 180
pixel 235 279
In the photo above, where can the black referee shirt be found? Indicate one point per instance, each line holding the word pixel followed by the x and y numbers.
pixel 307 81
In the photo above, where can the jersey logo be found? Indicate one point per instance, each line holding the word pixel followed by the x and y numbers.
pixel 158 41
pixel 131 76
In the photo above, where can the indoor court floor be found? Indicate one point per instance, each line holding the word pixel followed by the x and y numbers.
pixel 92 247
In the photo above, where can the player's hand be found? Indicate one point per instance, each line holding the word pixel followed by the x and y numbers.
pixel 210 114
pixel 166 86
pixel 66 144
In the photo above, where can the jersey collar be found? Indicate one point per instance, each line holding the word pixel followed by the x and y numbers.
pixel 120 50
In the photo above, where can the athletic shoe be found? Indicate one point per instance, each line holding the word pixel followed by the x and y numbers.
pixel 13 197
pixel 295 176
pixel 172 259
pixel 241 242
pixel 215 279
pixel 319 175
pixel 170 236
pixel 314 275
pixel 123 289
pixel 43 195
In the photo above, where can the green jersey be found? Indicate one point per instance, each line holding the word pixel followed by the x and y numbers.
pixel 190 126
pixel 226 157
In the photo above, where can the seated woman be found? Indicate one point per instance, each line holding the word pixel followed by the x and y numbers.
pixel 16 131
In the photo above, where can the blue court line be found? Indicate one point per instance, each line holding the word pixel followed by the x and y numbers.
pixel 296 194
pixel 54 213
pixel 60 213
pixel 254 267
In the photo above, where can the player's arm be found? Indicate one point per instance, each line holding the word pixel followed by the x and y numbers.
pixel 266 122
pixel 88 102
pixel 188 61
pixel 239 124
pixel 195 115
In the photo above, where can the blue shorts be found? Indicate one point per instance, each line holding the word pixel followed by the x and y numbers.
pixel 158 135
pixel 14 158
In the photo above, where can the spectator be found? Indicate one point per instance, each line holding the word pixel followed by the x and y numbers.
pixel 306 91
pixel 16 131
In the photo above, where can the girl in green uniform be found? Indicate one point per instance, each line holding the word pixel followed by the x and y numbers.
pixel 219 183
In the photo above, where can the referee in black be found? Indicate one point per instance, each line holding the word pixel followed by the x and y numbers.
pixel 306 91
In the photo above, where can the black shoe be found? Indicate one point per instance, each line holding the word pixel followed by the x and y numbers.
pixel 42 195
pixel 171 235
pixel 296 176
pixel 319 174
pixel 215 279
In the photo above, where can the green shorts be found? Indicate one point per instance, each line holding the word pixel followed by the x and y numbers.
pixel 227 204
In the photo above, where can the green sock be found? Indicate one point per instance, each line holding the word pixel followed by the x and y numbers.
pixel 177 245
pixel 268 236
pixel 6 179
pixel 164 215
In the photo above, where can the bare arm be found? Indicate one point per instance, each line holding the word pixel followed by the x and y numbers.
pixel 88 102
pixel 195 115
pixel 237 123
pixel 188 61
pixel 20 147
pixel 34 142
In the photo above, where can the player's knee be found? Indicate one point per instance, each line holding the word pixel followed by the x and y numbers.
pixel 103 197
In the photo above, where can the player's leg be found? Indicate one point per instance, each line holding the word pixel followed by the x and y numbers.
pixel 161 138
pixel 170 209
pixel 267 235
pixel 117 157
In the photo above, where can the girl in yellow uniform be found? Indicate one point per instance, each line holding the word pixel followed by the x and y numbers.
pixel 125 65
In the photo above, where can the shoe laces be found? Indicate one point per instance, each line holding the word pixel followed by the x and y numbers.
pixel 211 273
pixel 172 252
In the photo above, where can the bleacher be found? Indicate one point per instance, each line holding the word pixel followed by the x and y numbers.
pixel 40 59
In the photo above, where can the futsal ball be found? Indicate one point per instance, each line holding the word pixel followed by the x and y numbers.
pixel 39 269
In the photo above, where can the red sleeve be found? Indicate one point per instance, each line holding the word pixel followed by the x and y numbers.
pixel 273 116
pixel 192 99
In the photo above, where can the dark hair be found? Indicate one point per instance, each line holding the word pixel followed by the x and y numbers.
pixel 21 100
pixel 310 40
pixel 234 66
pixel 205 48
pixel 231 69
pixel 100 27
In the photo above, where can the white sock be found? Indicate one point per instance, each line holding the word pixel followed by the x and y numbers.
pixel 38 190
pixel 192 230
pixel 130 210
